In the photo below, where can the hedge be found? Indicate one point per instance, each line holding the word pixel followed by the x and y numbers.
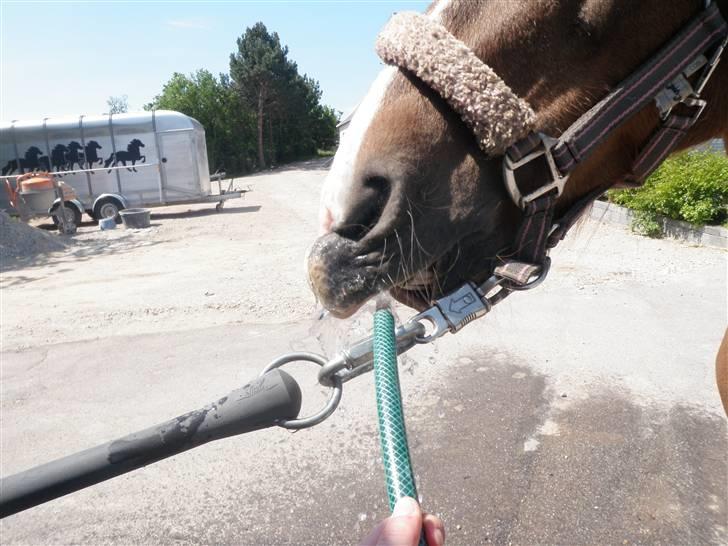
pixel 691 186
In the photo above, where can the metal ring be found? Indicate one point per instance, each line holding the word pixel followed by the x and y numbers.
pixel 331 404
pixel 330 369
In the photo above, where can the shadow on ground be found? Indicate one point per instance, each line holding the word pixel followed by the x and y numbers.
pixel 204 212
pixel 76 251
pixel 604 471
pixel 498 455
pixel 80 250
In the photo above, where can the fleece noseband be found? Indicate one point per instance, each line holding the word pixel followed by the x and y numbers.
pixel 504 124
pixel 485 103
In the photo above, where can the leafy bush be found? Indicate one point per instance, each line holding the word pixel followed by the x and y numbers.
pixel 647 224
pixel 692 186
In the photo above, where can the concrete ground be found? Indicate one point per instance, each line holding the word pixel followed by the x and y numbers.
pixel 583 412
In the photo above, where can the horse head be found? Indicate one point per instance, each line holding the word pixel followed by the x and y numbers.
pixel 135 144
pixel 73 145
pixel 93 145
pixel 33 152
pixel 413 205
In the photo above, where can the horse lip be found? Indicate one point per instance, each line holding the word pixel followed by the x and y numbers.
pixel 345 274
pixel 335 262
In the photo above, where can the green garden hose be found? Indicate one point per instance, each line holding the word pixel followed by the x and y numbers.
pixel 392 433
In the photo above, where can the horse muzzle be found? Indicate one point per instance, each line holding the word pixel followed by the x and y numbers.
pixel 342 276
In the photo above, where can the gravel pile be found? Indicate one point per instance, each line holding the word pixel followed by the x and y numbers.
pixel 19 240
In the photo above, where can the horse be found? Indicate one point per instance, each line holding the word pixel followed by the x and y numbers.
pixel 27 163
pixel 91 154
pixel 131 154
pixel 44 164
pixel 413 204
pixel 73 157
pixel 58 157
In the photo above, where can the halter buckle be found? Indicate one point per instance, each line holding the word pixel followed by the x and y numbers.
pixel 558 181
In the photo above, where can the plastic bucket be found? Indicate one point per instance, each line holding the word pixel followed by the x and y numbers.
pixel 135 218
pixel 107 223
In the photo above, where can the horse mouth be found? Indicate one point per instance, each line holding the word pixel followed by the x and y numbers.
pixel 418 290
pixel 343 276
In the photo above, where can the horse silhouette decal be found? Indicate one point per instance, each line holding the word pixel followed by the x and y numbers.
pixel 44 164
pixel 29 162
pixel 73 156
pixel 132 154
pixel 58 157
pixel 65 157
pixel 91 155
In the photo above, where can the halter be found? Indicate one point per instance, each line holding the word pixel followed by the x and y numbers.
pixel 503 125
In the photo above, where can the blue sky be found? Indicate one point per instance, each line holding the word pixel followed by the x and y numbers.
pixel 67 58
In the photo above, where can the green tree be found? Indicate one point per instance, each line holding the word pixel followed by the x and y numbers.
pixel 326 121
pixel 316 127
pixel 260 70
pixel 290 119
pixel 118 105
pixel 264 112
pixel 215 104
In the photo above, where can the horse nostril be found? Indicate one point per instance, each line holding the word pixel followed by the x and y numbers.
pixel 365 208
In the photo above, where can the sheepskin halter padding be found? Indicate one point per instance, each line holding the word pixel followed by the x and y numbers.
pixel 486 104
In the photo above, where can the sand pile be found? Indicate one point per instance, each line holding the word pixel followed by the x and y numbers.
pixel 19 240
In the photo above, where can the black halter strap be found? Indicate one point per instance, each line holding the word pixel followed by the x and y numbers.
pixel 537 167
pixel 665 79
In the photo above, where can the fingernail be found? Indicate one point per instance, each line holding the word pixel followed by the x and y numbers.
pixel 439 537
pixel 406 506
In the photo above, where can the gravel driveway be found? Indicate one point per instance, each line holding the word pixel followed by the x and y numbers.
pixel 583 412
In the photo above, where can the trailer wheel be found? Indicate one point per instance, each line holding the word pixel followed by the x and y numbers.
pixel 108 207
pixel 71 214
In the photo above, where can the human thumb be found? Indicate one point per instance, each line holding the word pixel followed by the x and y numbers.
pixel 404 526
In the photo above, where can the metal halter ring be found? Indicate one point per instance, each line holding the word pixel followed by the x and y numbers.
pixel 331 404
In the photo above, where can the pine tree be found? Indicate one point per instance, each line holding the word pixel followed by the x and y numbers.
pixel 260 69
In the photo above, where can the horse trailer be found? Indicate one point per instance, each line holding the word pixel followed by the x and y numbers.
pixel 115 161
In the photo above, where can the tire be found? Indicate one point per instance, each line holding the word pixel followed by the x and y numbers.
pixel 72 215
pixel 108 207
